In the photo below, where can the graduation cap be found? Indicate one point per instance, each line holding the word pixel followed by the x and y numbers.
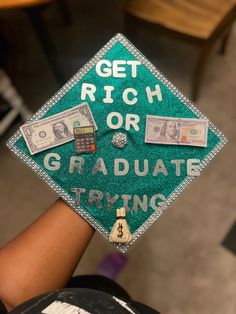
pixel 118 142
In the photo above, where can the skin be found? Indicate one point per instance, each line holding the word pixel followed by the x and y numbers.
pixel 44 256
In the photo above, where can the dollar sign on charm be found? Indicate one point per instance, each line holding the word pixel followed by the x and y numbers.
pixel 120 231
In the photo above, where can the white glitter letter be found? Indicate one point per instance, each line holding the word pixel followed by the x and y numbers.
pixel 111 200
pixel 138 202
pixel 106 72
pixel 156 92
pixel 117 69
pixel 132 120
pixel 160 167
pixel 76 162
pixel 108 99
pixel 177 163
pixel 159 205
pixel 99 166
pixel 133 64
pixel 193 170
pixel 55 165
pixel 126 198
pixel 125 96
pixel 119 120
pixel 77 194
pixel 88 90
pixel 145 168
pixel 95 196
pixel 117 170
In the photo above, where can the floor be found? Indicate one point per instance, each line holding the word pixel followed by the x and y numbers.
pixel 179 266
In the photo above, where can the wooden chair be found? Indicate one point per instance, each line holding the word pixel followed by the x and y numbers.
pixel 13 4
pixel 200 22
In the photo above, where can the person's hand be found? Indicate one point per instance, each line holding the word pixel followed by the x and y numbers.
pixel 44 256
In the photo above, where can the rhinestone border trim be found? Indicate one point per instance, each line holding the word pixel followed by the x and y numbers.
pixel 69 85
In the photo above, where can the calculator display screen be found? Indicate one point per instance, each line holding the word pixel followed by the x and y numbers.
pixel 83 130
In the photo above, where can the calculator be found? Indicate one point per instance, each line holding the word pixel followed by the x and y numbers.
pixel 85 140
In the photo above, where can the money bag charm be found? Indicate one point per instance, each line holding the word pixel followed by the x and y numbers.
pixel 120 231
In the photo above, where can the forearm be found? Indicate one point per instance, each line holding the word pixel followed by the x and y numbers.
pixel 44 256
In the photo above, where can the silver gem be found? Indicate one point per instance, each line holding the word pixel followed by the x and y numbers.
pixel 119 140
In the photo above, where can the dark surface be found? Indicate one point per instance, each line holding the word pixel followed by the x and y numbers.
pixel 3 310
pixel 230 239
pixel 92 293
pixel 99 283
pixel 86 299
pixel 95 295
pixel 46 43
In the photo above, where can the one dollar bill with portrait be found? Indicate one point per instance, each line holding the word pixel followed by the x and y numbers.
pixel 176 131
pixel 57 129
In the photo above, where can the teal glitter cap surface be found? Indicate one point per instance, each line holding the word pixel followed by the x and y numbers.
pixel 145 195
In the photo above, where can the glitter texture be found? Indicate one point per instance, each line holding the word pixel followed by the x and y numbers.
pixel 174 104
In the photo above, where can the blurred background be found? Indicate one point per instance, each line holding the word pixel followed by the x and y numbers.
pixel 186 262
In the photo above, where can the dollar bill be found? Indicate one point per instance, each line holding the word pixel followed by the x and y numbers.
pixel 57 129
pixel 176 131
